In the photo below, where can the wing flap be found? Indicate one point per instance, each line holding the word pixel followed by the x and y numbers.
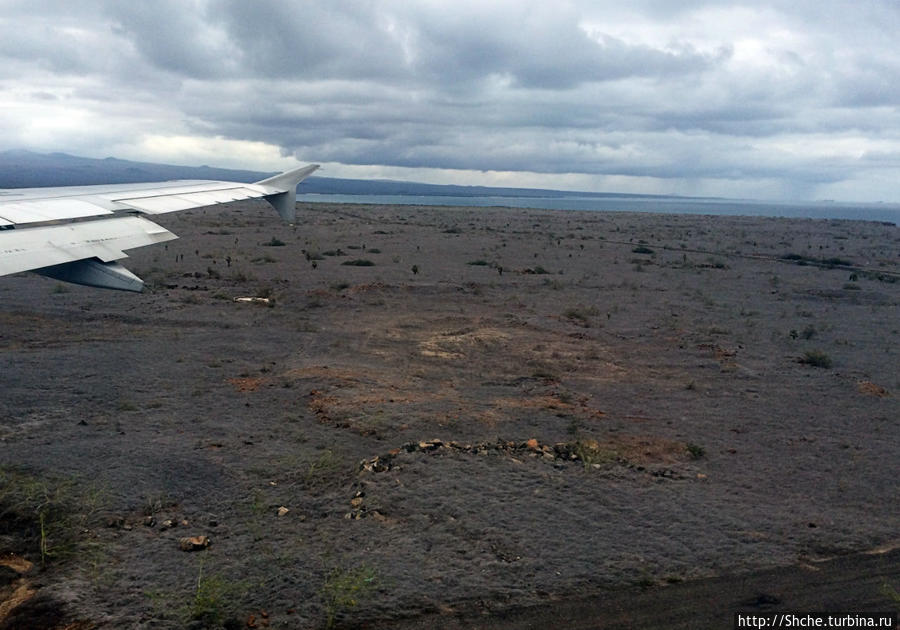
pixel 24 249
pixel 172 202
pixel 19 212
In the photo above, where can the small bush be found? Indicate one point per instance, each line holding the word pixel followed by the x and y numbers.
pixel 344 588
pixel 274 242
pixel 816 358
pixel 642 250
pixel 327 467
pixel 591 452
pixel 359 262
pixel 695 450
pixel 581 315
pixel 50 514
pixel 214 600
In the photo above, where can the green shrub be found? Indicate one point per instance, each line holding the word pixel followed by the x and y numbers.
pixel 695 450
pixel 51 514
pixel 345 588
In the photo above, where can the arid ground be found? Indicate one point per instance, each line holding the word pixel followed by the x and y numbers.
pixel 471 418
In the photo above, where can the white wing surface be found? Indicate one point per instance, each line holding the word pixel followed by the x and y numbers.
pixel 77 233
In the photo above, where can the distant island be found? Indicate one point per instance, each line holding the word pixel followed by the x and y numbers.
pixel 27 169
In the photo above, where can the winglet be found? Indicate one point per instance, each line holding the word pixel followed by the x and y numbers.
pixel 284 198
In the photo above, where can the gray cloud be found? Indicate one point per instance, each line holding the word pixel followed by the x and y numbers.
pixel 700 95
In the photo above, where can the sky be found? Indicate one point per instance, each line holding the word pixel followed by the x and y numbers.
pixel 794 100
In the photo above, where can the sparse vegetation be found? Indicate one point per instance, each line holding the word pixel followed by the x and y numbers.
pixel 581 315
pixel 359 262
pixel 460 388
pixel 590 452
pixel 274 242
pixel 802 259
pixel 816 358
pixel 695 450
pixel 50 514
pixel 214 600
pixel 890 592
pixel 327 466
pixel 344 589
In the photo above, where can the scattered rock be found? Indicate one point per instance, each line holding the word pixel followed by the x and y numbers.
pixel 282 511
pixel 586 450
pixel 115 522
pixel 193 543
pixel 168 524
pixel 150 521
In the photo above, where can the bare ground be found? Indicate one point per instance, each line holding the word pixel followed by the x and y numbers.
pixel 510 418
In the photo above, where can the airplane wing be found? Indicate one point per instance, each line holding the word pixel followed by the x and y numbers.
pixel 77 233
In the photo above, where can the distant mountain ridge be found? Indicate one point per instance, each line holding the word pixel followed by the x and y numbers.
pixel 26 169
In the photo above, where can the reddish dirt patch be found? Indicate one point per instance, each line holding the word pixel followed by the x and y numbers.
pixel 247 383
pixel 871 389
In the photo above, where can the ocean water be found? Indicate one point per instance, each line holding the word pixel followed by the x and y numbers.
pixel 882 212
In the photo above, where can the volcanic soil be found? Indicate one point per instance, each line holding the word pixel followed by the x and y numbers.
pixel 458 418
